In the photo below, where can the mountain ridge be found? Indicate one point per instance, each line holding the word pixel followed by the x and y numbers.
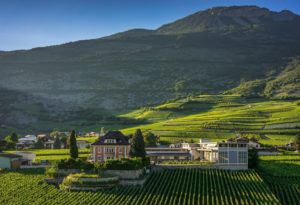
pixel 226 18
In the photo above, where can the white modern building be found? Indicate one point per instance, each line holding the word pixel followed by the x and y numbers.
pixel 208 150
pixel 233 155
pixel 28 139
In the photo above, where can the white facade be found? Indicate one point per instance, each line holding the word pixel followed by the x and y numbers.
pixel 208 150
pixel 27 156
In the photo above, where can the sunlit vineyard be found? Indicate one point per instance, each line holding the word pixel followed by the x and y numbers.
pixel 282 174
pixel 285 188
pixel 181 186
pixel 219 117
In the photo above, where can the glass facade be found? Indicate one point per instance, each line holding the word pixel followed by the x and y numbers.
pixel 223 157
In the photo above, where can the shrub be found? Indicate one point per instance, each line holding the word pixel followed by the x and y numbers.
pixel 125 164
pixel 75 164
pixel 252 158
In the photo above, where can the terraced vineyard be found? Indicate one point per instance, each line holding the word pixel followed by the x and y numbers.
pixel 284 165
pixel 188 187
pixel 220 117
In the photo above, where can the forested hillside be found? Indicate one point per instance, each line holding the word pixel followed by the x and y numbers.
pixel 88 82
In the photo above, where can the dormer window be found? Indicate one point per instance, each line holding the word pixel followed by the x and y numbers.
pixel 110 141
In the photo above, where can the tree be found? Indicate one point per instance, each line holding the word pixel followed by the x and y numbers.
pixel 8 138
pixel 57 143
pixel 150 139
pixel 252 158
pixel 137 148
pixel 297 142
pixel 39 144
pixel 54 134
pixel 3 144
pixel 64 141
pixel 73 146
pixel 14 137
pixel 10 145
pixel 103 130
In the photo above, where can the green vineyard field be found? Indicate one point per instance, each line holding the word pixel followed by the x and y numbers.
pixel 180 186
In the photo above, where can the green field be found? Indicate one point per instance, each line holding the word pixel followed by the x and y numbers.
pixel 56 154
pixel 181 186
pixel 217 117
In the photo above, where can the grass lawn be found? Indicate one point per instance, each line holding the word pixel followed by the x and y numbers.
pixel 55 154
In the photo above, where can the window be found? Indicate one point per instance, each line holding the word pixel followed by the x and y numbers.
pixel 233 157
pixel 110 141
pixel 121 149
pixel 223 145
pixel 99 158
pixel 99 149
pixel 109 150
pixel 223 157
pixel 243 158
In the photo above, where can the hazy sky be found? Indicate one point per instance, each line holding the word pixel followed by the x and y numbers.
pixel 26 24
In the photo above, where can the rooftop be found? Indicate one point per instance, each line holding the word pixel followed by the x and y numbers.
pixel 8 155
pixel 120 138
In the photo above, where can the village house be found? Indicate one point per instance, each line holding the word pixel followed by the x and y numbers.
pixel 92 134
pixel 27 157
pixel 49 144
pixel 113 145
pixel 82 144
pixel 10 161
pixel 28 140
pixel 43 137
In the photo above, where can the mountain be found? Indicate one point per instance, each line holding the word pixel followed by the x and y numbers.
pixel 284 85
pixel 87 83
pixel 236 18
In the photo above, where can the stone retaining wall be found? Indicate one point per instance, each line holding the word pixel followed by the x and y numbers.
pixel 126 174
pixel 106 179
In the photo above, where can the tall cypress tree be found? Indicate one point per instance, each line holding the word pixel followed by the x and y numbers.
pixel 137 148
pixel 73 146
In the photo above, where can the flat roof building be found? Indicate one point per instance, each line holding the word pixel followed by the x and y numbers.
pixel 10 161
pixel 233 155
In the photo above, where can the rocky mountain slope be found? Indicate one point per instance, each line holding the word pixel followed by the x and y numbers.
pixel 92 80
